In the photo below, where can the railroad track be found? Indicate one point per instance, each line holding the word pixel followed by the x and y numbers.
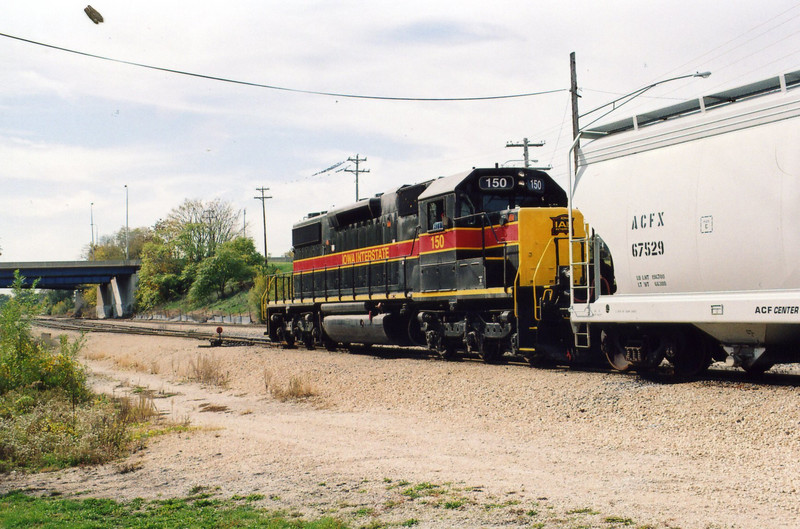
pixel 71 324
pixel 788 375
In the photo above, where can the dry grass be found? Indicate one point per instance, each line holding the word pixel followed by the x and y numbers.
pixel 95 355
pixel 298 388
pixel 207 370
pixel 138 408
pixel 132 364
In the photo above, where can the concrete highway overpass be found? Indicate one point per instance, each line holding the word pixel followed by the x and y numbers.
pixel 116 280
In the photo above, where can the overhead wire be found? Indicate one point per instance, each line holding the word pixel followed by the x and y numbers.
pixel 280 88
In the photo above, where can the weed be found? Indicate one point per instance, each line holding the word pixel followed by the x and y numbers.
pixel 584 510
pixel 422 489
pixel 492 506
pixel 137 410
pixel 127 468
pixel 298 388
pixel 364 511
pixel 411 522
pixel 374 524
pixel 207 369
pixel 95 355
pixel 206 407
pixel 618 519
pixel 453 504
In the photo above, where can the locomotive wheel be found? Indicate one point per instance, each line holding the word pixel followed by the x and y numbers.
pixel 614 354
pixel 447 352
pixel 489 351
pixel 539 360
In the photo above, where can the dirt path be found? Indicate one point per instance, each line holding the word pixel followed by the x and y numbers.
pixel 452 444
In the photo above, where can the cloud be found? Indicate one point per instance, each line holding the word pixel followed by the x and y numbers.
pixel 437 32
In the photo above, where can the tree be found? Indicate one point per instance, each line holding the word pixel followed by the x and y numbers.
pixel 160 274
pixel 233 261
pixel 112 247
pixel 197 228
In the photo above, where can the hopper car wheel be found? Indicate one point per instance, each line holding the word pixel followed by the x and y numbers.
pixel 614 353
pixel 288 339
pixel 758 369
pixel 691 358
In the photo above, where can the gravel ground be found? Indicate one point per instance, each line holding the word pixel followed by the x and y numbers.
pixel 394 438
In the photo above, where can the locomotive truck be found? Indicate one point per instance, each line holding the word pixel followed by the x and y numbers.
pixel 676 239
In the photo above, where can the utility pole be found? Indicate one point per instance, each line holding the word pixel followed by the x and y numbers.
pixel 357 170
pixel 525 144
pixel 244 222
pixel 263 198
pixel 573 89
pixel 211 241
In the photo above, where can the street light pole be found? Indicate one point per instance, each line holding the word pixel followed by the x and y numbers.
pixel 126 223
pixel 627 98
pixel 91 224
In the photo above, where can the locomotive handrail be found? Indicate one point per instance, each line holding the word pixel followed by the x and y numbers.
pixel 483 214
pixel 265 297
pixel 536 305
pixel 280 280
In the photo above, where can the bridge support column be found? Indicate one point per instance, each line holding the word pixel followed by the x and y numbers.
pixel 115 299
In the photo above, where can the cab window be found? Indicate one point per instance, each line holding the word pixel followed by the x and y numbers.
pixel 436 215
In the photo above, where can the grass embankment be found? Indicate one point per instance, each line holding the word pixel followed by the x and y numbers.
pixel 247 301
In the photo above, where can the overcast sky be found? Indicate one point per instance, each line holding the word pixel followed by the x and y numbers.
pixel 75 130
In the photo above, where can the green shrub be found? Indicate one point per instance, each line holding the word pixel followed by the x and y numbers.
pixel 48 415
pixel 29 363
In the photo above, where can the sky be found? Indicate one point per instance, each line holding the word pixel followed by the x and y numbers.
pixel 75 130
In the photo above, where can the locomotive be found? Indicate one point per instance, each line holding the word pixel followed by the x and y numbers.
pixel 676 239
pixel 474 262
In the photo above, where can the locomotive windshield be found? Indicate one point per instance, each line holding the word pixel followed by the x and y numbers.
pixel 503 189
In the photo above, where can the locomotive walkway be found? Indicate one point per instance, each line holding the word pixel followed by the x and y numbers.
pixel 115 280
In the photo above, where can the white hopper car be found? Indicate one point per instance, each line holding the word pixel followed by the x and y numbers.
pixel 698 206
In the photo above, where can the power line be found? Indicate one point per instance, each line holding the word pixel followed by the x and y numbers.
pixel 275 87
